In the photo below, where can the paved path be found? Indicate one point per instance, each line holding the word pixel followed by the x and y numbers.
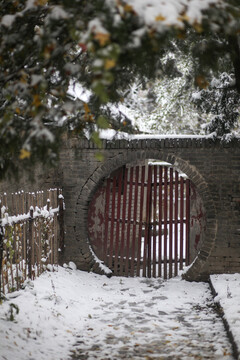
pixel 152 319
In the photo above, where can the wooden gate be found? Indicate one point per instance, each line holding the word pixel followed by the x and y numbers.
pixel 138 221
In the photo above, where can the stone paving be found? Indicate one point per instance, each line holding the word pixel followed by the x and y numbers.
pixel 166 321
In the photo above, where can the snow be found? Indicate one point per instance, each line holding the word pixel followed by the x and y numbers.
pixel 158 13
pixel 93 316
pixel 96 27
pixel 58 13
pixel 227 287
pixel 110 134
pixel 102 266
pixel 9 220
pixel 7 20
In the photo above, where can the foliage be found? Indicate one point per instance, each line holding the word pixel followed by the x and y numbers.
pixel 222 101
pixel 165 106
pixel 48 46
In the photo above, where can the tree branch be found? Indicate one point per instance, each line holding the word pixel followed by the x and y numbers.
pixel 235 56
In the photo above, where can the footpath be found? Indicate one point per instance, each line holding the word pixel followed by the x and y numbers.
pixel 70 314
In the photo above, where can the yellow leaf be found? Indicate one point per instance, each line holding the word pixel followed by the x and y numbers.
pixel 128 8
pixel 226 353
pixel 198 27
pixel 18 111
pixel 88 117
pixel 202 82
pixel 86 108
pixel 24 154
pixel 102 38
pixel 36 100
pixel 40 2
pixel 181 35
pixel 160 18
pixel 184 17
pixel 109 64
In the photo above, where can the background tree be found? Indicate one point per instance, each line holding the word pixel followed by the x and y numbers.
pixel 46 46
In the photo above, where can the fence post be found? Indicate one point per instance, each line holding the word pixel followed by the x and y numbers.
pixel 61 222
pixel 1 257
pixel 30 243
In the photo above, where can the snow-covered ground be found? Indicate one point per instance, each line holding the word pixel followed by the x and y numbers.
pixel 87 316
pixel 227 287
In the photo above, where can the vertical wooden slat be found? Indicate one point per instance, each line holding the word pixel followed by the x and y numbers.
pixel 25 250
pixel 1 257
pixel 124 201
pixel 187 220
pixel 149 258
pixel 61 232
pixel 34 251
pixel 17 203
pixel 147 234
pixel 14 256
pixel 106 222
pixel 130 192
pixel 6 250
pixel 27 206
pixel 141 202
pixel 20 248
pixel 37 254
pixel 165 219
pixel 12 205
pixel 181 220
pixel 55 243
pixel 112 222
pixel 134 220
pixel 170 222
pixel 176 225
pixel 42 197
pixel 116 252
pixel 154 229
pixel 160 223
pixel 40 244
pixel 22 202
pixel 30 243
pixel 51 237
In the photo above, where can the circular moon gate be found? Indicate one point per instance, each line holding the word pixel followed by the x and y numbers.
pixel 139 221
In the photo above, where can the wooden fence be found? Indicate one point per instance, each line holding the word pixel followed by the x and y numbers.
pixel 31 236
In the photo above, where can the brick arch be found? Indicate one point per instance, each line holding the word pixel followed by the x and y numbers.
pixel 128 157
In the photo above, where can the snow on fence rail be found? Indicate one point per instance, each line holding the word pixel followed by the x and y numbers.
pixel 31 235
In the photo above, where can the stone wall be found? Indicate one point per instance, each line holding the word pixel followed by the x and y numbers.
pixel 212 166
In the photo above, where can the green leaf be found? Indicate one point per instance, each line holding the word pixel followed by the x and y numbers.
pixel 99 156
pixel 96 139
pixel 102 122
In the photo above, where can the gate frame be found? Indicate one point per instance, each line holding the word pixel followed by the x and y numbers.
pixel 195 272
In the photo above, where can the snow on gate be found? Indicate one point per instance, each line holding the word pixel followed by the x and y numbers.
pixel 139 221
